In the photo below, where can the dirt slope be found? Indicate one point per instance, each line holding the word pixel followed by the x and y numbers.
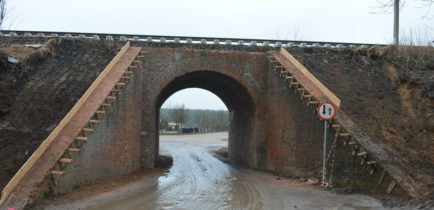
pixel 389 93
pixel 36 93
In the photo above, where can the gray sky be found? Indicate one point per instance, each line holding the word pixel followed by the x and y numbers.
pixel 195 98
pixel 319 20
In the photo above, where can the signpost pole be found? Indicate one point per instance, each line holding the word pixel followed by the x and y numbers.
pixel 326 111
pixel 324 153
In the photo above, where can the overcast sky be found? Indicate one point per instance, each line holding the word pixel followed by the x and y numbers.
pixel 195 98
pixel 319 20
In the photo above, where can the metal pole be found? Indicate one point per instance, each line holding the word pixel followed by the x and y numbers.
pixel 324 153
pixel 396 23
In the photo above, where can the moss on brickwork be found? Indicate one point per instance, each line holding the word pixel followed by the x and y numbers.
pixel 348 171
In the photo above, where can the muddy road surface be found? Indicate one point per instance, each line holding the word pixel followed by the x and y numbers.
pixel 199 180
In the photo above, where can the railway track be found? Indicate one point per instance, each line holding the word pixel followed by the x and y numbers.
pixel 184 39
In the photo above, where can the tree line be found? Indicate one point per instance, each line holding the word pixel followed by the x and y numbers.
pixel 178 117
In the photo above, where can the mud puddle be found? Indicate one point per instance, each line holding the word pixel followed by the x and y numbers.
pixel 198 180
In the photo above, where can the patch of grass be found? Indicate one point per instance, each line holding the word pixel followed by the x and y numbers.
pixel 19 51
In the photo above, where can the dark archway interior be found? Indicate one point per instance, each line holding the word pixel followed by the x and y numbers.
pixel 227 89
pixel 232 93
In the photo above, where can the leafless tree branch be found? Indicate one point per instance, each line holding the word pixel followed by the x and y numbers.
pixel 386 5
pixel 179 114
pixel 2 12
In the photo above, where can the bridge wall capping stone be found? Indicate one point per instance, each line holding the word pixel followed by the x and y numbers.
pixel 30 163
pixel 326 94
pixel 346 130
pixel 107 132
pixel 366 146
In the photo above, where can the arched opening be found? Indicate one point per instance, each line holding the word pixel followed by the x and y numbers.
pixel 192 111
pixel 236 98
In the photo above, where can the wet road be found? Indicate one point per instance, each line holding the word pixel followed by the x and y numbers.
pixel 197 180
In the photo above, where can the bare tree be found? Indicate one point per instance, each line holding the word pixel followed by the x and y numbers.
pixel 294 34
pixel 179 114
pixel 385 5
pixel 2 12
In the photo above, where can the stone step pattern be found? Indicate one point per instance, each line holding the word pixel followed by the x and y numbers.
pixel 341 133
pixel 81 139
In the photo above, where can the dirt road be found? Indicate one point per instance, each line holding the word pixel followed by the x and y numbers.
pixel 198 180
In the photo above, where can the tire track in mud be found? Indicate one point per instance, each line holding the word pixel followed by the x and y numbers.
pixel 198 180
pixel 211 184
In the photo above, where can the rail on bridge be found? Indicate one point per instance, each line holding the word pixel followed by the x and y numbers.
pixel 182 39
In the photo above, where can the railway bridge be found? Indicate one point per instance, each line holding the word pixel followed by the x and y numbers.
pixel 272 98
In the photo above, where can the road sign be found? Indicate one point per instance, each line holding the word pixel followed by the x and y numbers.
pixel 326 111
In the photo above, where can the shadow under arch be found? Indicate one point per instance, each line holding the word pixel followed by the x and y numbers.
pixel 236 98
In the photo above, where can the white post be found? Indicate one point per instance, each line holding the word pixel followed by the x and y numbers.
pixel 324 170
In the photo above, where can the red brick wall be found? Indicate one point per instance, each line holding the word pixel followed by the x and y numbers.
pixel 114 148
pixel 270 128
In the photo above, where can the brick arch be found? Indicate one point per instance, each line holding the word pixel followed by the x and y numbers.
pixel 238 78
pixel 233 94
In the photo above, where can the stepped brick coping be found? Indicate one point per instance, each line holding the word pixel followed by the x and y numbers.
pixel 312 85
pixel 20 188
pixel 316 89
pixel 382 156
